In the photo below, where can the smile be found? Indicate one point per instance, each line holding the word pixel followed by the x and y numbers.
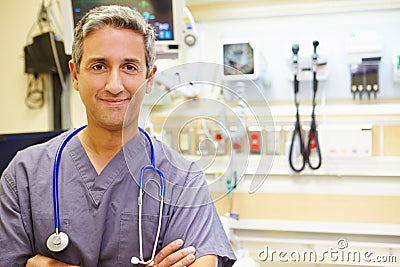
pixel 115 102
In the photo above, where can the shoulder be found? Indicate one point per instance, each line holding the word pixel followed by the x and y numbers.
pixel 37 151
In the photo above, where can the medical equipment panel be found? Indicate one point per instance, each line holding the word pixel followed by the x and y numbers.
pixel 173 22
pixel 245 71
pixel 364 52
pixel 40 57
pixel 365 77
pixel 159 15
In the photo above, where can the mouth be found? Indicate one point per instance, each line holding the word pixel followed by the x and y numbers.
pixel 115 101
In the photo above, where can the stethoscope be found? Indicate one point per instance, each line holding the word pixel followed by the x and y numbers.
pixel 58 241
pixel 313 143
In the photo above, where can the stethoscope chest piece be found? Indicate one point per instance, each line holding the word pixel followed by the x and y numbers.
pixel 57 242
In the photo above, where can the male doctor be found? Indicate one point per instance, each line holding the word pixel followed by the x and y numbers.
pixel 112 66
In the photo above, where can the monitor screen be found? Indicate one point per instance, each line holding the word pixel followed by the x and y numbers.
pixel 156 12
pixel 164 15
pixel 10 144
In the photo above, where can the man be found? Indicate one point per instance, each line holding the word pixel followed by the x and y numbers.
pixel 112 58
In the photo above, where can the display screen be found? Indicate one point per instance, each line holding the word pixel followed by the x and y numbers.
pixel 156 12
pixel 10 144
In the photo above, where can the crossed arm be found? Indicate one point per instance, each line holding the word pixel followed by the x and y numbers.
pixel 169 256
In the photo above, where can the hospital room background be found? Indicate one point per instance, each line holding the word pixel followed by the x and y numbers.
pixel 338 60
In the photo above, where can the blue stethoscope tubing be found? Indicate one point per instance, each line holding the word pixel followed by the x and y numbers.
pixel 55 175
pixel 58 241
pixel 152 167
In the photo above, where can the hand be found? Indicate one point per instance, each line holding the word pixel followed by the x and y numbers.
pixel 170 256
pixel 42 261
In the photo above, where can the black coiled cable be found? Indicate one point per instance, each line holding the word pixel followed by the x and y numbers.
pixel 297 127
pixel 313 142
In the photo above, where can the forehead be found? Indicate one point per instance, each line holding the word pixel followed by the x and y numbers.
pixel 111 42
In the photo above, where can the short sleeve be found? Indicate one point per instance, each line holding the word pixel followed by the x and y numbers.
pixel 15 245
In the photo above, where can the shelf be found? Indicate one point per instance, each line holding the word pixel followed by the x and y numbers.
pixel 337 167
pixel 360 244
pixel 318 227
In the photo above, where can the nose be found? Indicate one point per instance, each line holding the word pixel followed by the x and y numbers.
pixel 114 83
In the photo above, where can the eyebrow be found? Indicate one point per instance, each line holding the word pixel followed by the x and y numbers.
pixel 102 59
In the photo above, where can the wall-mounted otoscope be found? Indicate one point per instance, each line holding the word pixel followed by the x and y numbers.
pixel 297 128
pixel 313 143
pixel 310 154
pixel 295 61
pixel 315 66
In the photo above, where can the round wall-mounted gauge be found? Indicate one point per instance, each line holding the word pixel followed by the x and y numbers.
pixel 238 57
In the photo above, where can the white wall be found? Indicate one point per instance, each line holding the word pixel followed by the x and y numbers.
pixel 17 17
pixel 273 36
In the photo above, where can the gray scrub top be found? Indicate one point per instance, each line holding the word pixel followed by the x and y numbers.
pixel 100 212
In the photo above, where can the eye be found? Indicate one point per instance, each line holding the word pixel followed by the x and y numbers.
pixel 131 68
pixel 98 67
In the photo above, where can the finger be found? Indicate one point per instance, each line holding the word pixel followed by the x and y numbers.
pixel 189 259
pixel 179 258
pixel 168 250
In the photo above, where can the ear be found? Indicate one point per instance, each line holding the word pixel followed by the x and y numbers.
pixel 74 74
pixel 150 79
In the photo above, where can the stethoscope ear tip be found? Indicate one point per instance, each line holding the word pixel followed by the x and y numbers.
pixel 135 260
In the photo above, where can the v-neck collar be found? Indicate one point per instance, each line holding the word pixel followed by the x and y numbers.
pixel 97 184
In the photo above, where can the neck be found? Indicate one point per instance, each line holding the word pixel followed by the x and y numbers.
pixel 101 145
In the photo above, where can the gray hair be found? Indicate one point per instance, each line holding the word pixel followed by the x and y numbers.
pixel 115 16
